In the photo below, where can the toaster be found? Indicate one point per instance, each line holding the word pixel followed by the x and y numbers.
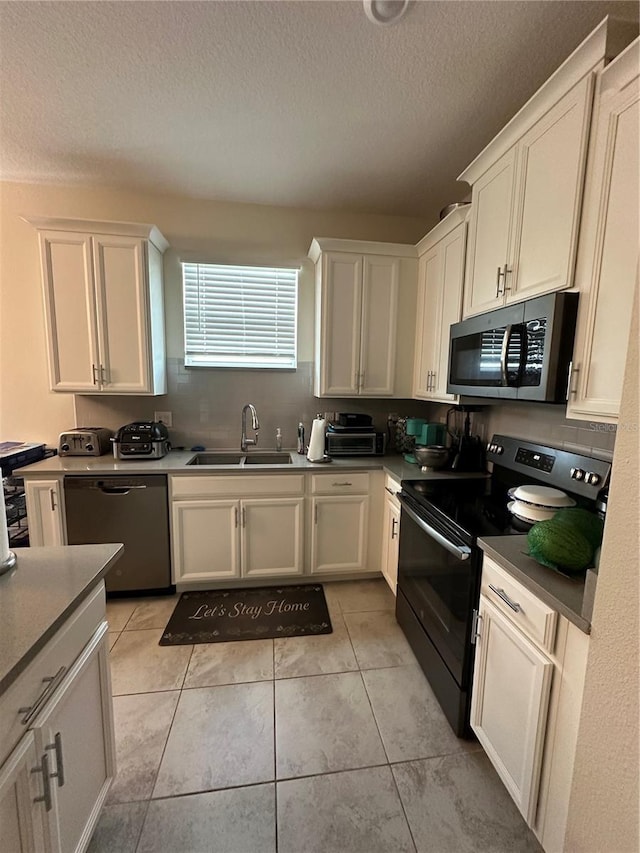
pixel 141 440
pixel 85 441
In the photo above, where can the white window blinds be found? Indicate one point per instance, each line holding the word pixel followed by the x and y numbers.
pixel 239 316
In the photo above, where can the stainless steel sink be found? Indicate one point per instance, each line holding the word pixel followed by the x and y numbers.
pixel 216 459
pixel 268 459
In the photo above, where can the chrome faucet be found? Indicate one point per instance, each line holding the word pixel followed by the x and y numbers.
pixel 255 425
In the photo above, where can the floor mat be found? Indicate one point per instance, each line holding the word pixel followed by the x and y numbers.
pixel 228 615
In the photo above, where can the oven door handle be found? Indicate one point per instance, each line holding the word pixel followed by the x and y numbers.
pixel 462 552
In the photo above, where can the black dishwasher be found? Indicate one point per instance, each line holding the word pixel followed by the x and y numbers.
pixel 131 510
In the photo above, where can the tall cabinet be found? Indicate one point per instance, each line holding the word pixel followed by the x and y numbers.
pixel 104 312
pixel 607 265
pixel 364 317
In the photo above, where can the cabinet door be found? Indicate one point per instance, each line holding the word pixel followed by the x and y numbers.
pixel 509 704
pixel 390 542
pixel 340 296
pixel 489 236
pixel 448 309
pixel 76 731
pixel 379 318
pixel 607 266
pixel 550 173
pixel 339 534
pixel 45 512
pixel 123 314
pixel 70 311
pixel 206 540
pixel 272 537
pixel 429 286
pixel 22 805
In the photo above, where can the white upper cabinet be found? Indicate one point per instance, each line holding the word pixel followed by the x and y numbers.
pixel 527 186
pixel 440 280
pixel 104 311
pixel 361 290
pixel 607 265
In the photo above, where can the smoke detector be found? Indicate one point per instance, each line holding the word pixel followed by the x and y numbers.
pixel 385 12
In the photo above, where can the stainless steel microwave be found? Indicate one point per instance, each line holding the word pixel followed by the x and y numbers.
pixel 520 352
pixel 355 443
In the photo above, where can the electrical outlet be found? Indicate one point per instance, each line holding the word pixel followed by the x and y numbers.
pixel 165 417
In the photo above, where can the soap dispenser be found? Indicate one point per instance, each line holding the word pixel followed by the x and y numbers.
pixel 278 439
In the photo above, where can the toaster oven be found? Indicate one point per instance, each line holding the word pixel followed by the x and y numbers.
pixel 85 441
pixel 354 443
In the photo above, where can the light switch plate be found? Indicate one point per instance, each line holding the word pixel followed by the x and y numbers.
pixel 165 417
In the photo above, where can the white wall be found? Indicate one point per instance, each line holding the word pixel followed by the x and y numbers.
pixel 220 231
pixel 605 798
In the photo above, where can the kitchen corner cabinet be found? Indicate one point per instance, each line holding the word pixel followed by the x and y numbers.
pixel 339 523
pixel 103 298
pixel 607 264
pixel 58 750
pixel 391 533
pixel 441 257
pixel 357 298
pixel 237 527
pixel 45 512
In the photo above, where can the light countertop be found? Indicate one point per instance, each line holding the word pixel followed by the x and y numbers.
pixel 175 462
pixel 564 594
pixel 39 593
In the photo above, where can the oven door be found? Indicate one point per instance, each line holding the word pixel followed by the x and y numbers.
pixel 439 577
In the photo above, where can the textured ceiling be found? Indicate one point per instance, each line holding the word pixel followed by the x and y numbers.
pixel 302 103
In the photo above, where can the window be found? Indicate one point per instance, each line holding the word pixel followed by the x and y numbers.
pixel 239 316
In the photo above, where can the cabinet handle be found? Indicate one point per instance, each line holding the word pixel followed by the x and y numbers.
pixel 433 381
pixel 498 277
pixel 244 517
pixel 57 746
pixel 571 392
pixel 52 497
pixel 315 514
pixel 235 514
pixel 475 634
pixel 346 483
pixel 94 370
pixel 52 682
pixel 391 492
pixel 46 783
pixel 503 595
pixel 394 532
pixel 504 280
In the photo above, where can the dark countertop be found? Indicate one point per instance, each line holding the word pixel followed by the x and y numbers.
pixel 564 594
pixel 40 593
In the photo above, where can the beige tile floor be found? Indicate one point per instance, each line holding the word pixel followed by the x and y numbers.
pixel 332 744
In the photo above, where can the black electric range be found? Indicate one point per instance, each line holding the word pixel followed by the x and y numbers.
pixel 440 563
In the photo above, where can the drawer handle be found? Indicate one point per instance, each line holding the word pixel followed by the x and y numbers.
pixel 503 595
pixel 342 484
pixel 57 746
pixel 394 532
pixel 46 783
pixel 52 682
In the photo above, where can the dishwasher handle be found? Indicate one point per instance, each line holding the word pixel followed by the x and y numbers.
pixel 116 490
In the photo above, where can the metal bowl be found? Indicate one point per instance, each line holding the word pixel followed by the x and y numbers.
pixel 431 456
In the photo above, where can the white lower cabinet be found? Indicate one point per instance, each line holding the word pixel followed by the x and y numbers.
pixel 391 533
pixel 57 740
pixel 339 533
pixel 21 806
pixel 510 701
pixel 237 536
pixel 45 511
pixel 527 697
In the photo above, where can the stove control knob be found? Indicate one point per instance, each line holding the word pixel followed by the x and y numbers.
pixel 577 474
pixel 64 447
pixel 499 449
pixel 489 447
pixel 88 447
pixel 592 479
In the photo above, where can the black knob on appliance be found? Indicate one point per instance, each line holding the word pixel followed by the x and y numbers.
pixel 499 449
pixel 592 479
pixel 64 447
pixel 577 473
pixel 89 447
